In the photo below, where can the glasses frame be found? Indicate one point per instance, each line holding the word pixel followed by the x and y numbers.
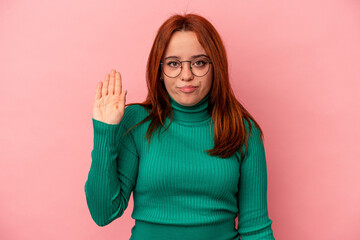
pixel 181 67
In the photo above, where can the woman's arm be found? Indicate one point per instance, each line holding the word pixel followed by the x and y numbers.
pixel 113 171
pixel 254 222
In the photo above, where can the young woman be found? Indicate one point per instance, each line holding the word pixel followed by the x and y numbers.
pixel 191 154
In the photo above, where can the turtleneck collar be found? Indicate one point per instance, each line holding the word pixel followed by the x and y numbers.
pixel 196 113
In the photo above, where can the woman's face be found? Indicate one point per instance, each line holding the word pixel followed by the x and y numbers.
pixel 186 89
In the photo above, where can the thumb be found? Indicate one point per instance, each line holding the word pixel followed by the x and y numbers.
pixel 123 99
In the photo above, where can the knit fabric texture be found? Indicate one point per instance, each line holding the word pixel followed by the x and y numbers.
pixel 175 183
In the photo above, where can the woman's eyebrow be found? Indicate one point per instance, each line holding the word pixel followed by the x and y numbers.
pixel 192 57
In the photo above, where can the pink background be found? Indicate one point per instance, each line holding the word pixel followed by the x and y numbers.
pixel 293 64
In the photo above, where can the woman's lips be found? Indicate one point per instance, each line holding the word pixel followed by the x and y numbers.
pixel 188 89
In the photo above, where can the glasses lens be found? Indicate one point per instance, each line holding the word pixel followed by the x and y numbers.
pixel 199 67
pixel 171 67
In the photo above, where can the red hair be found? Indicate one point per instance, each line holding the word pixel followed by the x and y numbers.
pixel 227 114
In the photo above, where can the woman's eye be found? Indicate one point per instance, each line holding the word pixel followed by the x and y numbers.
pixel 173 64
pixel 199 63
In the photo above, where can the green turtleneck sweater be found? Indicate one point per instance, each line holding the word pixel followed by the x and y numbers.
pixel 179 191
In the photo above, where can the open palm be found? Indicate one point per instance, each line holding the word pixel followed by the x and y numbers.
pixel 109 103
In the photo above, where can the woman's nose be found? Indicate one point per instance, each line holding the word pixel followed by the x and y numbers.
pixel 186 73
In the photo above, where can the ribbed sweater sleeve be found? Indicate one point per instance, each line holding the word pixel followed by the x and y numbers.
pixel 253 221
pixel 113 171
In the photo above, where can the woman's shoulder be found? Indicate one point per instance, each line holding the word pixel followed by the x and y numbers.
pixel 135 112
pixel 246 122
pixel 138 109
pixel 251 129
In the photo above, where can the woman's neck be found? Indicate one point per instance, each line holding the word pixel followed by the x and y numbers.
pixel 195 113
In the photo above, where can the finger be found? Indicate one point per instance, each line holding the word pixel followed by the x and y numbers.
pixel 105 85
pixel 122 100
pixel 118 84
pixel 112 82
pixel 98 91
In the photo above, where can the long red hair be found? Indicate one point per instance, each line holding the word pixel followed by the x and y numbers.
pixel 227 113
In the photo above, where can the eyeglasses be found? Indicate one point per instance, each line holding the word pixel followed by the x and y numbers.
pixel 199 67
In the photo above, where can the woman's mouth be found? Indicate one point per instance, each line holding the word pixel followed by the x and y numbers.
pixel 188 89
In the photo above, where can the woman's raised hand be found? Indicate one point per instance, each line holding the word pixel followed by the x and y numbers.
pixel 109 103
